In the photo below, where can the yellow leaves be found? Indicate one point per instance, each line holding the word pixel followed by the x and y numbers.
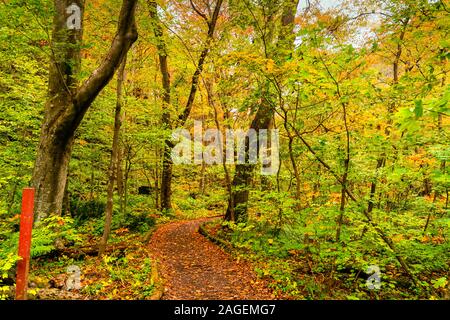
pixel 335 197
pixel 421 159
pixel 32 292
pixel 253 62
pixel 270 66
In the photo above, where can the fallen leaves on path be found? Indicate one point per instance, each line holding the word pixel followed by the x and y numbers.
pixel 194 268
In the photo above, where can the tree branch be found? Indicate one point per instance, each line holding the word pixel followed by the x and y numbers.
pixel 201 14
pixel 195 78
pixel 126 35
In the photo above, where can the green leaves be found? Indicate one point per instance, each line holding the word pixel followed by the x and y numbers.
pixel 418 109
pixel 440 283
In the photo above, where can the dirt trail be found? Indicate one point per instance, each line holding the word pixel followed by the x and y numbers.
pixel 194 268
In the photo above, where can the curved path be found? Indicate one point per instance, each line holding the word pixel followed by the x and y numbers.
pixel 194 268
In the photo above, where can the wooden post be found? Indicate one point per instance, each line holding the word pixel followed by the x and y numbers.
pixel 26 225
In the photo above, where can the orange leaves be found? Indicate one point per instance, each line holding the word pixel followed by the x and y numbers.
pixel 421 159
pixel 122 231
pixel 15 217
pixel 398 238
pixel 433 239
pixel 82 142
pixel 335 197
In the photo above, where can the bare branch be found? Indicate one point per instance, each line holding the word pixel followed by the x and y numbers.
pixel 201 14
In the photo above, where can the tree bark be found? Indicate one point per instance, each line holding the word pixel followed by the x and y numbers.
pixel 166 174
pixel 262 120
pixel 244 171
pixel 68 102
pixel 345 174
pixel 114 159
pixel 119 173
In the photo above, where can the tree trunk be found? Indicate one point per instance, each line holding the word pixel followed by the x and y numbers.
pixel 381 162
pixel 244 171
pixel 166 174
pixel 262 120
pixel 166 178
pixel 212 104
pixel 114 159
pixel 128 165
pixel 68 102
pixel 156 177
pixel 298 190
pixel 345 174
pixel 119 175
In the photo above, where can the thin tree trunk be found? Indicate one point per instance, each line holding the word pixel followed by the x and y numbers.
pixel 198 71
pixel 166 175
pixel 212 104
pixel 119 172
pixel 345 174
pixel 295 168
pixel 126 176
pixel 291 153
pixel 166 190
pixel 381 162
pixel 157 193
pixel 114 159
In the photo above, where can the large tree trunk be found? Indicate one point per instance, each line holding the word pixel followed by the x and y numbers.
pixel 68 102
pixel 237 205
pixel 262 120
pixel 114 159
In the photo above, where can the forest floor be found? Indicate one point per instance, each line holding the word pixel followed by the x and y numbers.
pixel 192 267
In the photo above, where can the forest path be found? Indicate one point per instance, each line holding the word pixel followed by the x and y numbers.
pixel 192 267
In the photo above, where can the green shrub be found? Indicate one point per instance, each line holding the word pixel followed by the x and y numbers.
pixel 82 210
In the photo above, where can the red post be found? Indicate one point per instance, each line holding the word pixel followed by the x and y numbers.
pixel 26 225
